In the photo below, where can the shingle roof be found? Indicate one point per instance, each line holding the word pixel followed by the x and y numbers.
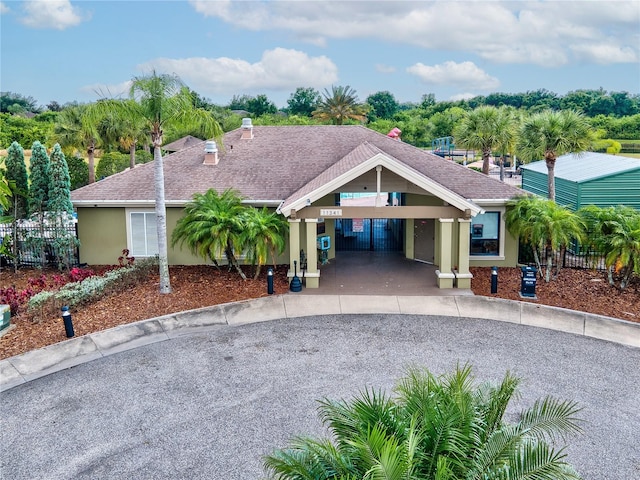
pixel 586 166
pixel 181 143
pixel 278 161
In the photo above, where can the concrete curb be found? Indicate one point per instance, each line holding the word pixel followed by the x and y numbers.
pixel 38 363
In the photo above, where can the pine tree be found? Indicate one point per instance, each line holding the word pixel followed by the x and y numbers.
pixel 17 172
pixel 60 209
pixel 40 174
pixel 59 183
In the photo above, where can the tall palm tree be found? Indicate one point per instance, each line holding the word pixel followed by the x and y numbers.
pixel 546 226
pixel 263 234
pixel 76 128
pixel 434 428
pixel 159 101
pixel 547 135
pixel 339 105
pixel 212 224
pixel 486 128
pixel 162 100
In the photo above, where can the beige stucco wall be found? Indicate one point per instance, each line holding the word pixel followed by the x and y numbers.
pixel 177 255
pixel 103 235
pixel 413 199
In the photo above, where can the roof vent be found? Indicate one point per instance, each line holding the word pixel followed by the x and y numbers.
pixel 210 147
pixel 394 133
pixel 210 153
pixel 247 129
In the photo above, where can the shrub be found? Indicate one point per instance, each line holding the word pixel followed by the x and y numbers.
pixel 434 428
pixel 111 163
pixel 48 303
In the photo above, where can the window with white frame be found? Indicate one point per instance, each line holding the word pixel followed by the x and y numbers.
pixel 143 236
pixel 485 234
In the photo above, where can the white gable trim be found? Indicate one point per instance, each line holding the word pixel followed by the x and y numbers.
pixel 394 166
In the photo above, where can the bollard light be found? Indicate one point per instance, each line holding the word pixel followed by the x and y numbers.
pixel 270 281
pixel 68 324
pixel 494 279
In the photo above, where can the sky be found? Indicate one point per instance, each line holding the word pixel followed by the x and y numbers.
pixel 66 50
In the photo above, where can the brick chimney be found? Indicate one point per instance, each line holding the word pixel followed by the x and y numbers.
pixel 210 153
pixel 247 129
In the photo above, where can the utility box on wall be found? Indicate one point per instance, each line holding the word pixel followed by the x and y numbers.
pixel 324 242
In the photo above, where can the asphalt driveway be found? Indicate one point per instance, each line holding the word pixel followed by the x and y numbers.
pixel 209 405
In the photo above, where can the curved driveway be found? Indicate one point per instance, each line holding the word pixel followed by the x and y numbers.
pixel 210 404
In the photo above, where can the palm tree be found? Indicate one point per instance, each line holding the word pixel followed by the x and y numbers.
pixel 76 128
pixel 550 134
pixel 263 234
pixel 212 224
pixel 158 102
pixel 126 131
pixel 434 428
pixel 546 226
pixel 339 105
pixel 486 128
pixel 615 232
pixel 163 100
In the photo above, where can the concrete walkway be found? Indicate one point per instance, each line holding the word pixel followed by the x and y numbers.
pixel 206 393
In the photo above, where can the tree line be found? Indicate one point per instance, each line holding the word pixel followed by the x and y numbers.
pixel 615 114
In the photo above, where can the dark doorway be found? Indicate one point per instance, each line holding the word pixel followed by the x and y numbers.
pixel 369 234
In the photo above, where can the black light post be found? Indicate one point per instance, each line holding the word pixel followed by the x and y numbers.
pixel 494 279
pixel 270 281
pixel 68 324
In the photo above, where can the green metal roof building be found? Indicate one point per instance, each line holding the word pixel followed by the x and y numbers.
pixel 588 179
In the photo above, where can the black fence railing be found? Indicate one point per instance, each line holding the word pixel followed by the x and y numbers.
pixel 34 244
pixel 575 256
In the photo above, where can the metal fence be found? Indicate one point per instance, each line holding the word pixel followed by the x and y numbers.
pixel 36 244
pixel 576 256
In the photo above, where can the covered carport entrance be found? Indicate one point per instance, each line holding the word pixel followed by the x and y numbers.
pixel 368 234
pixel 317 218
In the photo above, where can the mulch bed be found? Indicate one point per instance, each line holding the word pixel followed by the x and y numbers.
pixel 201 286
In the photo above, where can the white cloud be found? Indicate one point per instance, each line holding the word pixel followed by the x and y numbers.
pixel 605 54
pixel 540 32
pixel 57 14
pixel 384 68
pixel 278 69
pixel 464 74
pixel 3 8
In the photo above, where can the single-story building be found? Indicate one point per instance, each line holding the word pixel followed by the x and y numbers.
pixel 428 208
pixel 587 178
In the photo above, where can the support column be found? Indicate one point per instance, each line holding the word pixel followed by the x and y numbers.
pixel 463 276
pixel 294 246
pixel 312 275
pixel 445 274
